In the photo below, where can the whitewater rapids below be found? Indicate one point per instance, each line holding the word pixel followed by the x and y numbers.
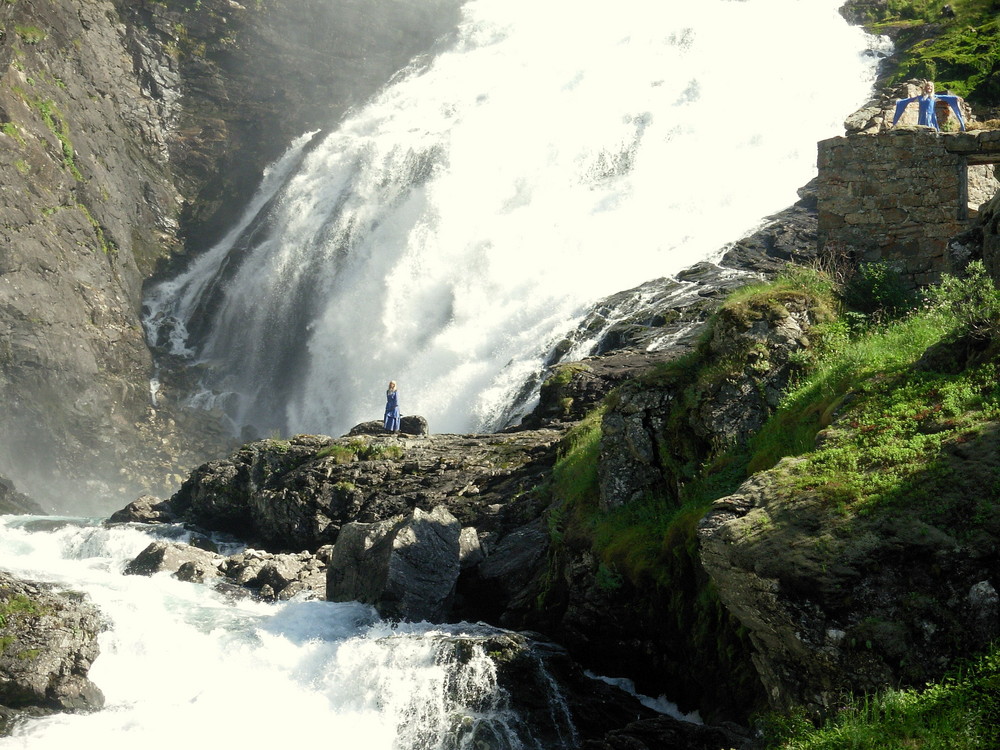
pixel 182 665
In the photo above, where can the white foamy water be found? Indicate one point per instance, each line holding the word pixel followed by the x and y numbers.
pixel 449 233
pixel 183 666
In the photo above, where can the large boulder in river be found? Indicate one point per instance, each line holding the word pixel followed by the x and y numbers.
pixel 406 567
pixel 144 509
pixel 162 556
pixel 49 641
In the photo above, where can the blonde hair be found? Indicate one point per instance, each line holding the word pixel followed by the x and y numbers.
pixel 392 385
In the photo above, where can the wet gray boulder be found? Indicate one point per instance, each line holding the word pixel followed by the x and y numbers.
pixel 144 509
pixel 405 566
pixel 254 572
pixel 49 641
pixel 171 556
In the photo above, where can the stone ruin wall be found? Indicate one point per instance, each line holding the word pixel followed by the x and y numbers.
pixel 900 195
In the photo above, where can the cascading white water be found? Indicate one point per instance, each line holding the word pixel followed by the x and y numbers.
pixel 450 232
pixel 183 666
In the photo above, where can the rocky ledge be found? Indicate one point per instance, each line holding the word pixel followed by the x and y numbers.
pixel 450 516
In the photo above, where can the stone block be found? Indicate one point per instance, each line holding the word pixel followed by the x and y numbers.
pixel 961 143
pixel 894 216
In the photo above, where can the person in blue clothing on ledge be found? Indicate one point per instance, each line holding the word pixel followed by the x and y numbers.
pixel 926 101
pixel 391 422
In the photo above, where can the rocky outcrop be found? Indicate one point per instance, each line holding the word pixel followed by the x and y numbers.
pixel 170 556
pixel 297 494
pixel 271 577
pixel 145 509
pixel 406 567
pixel 664 319
pixel 16 503
pixel 410 425
pixel 836 606
pixel 48 641
pixel 656 425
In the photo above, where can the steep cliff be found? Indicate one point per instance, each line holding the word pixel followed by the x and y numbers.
pixel 129 133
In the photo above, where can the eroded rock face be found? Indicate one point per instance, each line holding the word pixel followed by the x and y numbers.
pixel 642 443
pixel 14 502
pixel 49 641
pixel 86 204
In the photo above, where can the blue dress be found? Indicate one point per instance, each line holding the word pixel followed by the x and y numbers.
pixel 391 422
pixel 926 115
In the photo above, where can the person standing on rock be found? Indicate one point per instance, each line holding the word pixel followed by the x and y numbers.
pixel 927 101
pixel 391 421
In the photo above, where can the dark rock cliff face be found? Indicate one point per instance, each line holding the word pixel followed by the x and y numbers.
pixel 16 503
pixel 86 199
pixel 130 131
pixel 253 75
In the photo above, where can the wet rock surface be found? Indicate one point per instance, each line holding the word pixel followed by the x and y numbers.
pixel 296 494
pixel 48 641
pixel 405 566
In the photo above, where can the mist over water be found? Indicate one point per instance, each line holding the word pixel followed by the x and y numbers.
pixel 451 232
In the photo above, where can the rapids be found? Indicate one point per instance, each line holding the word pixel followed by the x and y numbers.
pixel 184 666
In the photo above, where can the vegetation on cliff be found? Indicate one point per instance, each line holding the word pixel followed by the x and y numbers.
pixel 959 47
pixel 960 712
pixel 877 406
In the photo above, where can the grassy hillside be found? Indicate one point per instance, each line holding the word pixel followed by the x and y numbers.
pixel 880 399
pixel 960 50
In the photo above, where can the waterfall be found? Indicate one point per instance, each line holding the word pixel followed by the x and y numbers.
pixel 450 232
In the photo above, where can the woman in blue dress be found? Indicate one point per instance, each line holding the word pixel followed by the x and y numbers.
pixel 391 422
pixel 926 101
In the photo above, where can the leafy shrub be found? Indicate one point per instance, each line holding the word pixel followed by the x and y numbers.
pixel 878 289
pixel 972 301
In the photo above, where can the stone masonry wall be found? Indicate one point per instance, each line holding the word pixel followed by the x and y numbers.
pixel 900 195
